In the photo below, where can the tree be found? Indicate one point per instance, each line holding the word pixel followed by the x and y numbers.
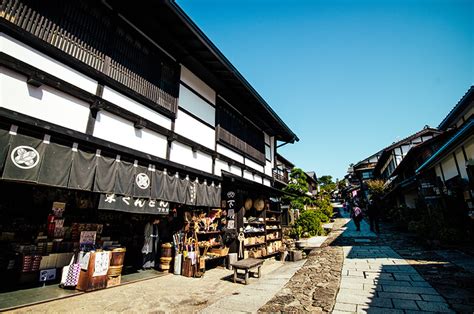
pixel 376 187
pixel 326 184
pixel 298 187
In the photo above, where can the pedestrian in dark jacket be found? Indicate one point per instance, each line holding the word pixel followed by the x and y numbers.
pixel 374 213
pixel 357 216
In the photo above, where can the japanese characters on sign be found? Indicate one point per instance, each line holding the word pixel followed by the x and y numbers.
pixel 133 205
pixel 230 205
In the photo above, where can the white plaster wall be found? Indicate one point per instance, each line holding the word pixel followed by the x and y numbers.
pixel 266 182
pixel 184 155
pixel 417 140
pixel 236 170
pixel 449 167
pixel 198 85
pixel 118 130
pixel 230 153
pixel 191 128
pixel 406 148
pixel 469 148
pixel 257 179
pixel 373 159
pixel 438 172
pixel 135 107
pixel 195 105
pixel 398 160
pixel 470 111
pixel 219 166
pixel 248 175
pixel 44 102
pixel 461 163
pixel 427 137
pixel 253 165
pixel 22 52
pixel 269 168
pixel 269 165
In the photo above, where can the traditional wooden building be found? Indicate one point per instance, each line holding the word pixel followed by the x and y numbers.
pixel 449 170
pixel 118 106
pixel 392 156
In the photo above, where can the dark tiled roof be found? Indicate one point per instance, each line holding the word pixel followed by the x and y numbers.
pixel 386 152
pixel 460 106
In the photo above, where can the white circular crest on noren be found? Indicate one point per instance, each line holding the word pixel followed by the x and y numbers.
pixel 25 157
pixel 142 180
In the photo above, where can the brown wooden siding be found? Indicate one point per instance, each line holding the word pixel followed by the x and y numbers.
pixel 92 34
pixel 232 140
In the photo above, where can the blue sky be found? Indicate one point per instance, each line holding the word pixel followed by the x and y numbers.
pixel 348 77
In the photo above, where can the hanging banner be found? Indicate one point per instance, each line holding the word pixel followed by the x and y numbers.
pixel 124 178
pixel 83 170
pixel 56 165
pixel 202 196
pixel 133 205
pixel 191 193
pixel 142 182
pixel 4 146
pixel 24 158
pixel 105 174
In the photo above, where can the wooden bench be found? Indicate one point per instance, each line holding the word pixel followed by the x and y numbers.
pixel 246 265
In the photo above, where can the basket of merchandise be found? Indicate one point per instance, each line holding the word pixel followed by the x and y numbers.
pixel 220 251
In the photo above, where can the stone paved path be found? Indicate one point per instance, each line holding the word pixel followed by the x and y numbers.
pixel 168 294
pixel 375 279
pixel 249 298
pixel 314 287
pixel 450 273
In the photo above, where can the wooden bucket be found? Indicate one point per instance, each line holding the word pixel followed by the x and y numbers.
pixel 118 255
pixel 166 250
pixel 165 263
pixel 114 271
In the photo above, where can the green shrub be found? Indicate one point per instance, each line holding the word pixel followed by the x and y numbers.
pixel 324 206
pixel 308 224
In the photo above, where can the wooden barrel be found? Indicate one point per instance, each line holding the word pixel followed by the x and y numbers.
pixel 165 263
pixel 166 257
pixel 166 250
pixel 118 256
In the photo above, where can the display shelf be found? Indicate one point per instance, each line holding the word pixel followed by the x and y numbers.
pixel 271 254
pixel 276 239
pixel 255 223
pixel 273 212
pixel 211 246
pixel 256 244
pixel 272 230
pixel 210 232
pixel 253 232
pixel 214 258
pixel 273 221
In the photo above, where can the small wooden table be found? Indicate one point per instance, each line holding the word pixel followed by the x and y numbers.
pixel 246 265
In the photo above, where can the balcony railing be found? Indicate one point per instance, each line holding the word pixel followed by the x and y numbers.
pixel 239 144
pixel 281 176
pixel 86 31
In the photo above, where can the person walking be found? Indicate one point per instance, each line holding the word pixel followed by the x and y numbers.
pixel 374 213
pixel 357 216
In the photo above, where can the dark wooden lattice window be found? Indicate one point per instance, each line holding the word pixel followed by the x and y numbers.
pixel 239 133
pixel 91 33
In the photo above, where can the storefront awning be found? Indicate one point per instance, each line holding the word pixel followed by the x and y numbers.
pixel 28 159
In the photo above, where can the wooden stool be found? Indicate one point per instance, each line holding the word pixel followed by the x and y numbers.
pixel 246 265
